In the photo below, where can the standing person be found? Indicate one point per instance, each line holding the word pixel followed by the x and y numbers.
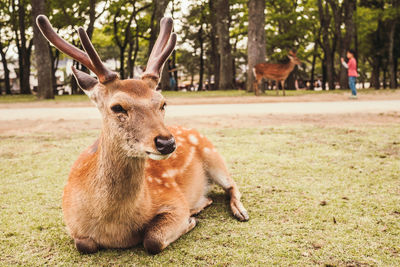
pixel 352 71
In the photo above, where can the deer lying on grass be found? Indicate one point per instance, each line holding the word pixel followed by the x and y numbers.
pixel 275 71
pixel 118 194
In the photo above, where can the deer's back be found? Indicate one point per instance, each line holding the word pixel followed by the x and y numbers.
pixel 273 71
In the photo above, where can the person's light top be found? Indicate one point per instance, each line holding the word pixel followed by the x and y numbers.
pixel 352 67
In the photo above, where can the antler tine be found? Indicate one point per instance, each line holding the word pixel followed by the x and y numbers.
pixel 102 72
pixel 162 49
pixel 48 31
pixel 91 63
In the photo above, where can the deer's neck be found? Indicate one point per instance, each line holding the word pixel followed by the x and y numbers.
pixel 290 66
pixel 119 176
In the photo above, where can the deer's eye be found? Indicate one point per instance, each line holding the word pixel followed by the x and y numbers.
pixel 118 109
pixel 163 106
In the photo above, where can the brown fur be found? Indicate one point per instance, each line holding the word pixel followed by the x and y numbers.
pixel 275 71
pixel 116 197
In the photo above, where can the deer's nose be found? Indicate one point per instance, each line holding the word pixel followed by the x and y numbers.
pixel 165 144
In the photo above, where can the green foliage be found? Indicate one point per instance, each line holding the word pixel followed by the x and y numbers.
pixel 289 25
pixel 104 43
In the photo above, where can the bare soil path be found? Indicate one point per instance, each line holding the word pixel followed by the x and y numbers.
pixel 337 95
pixel 337 107
pixel 65 119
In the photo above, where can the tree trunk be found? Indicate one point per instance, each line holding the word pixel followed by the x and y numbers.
pixel 325 19
pixel 122 62
pixel 291 80
pixel 135 54
pixel 323 82
pixel 224 47
pixel 122 44
pixel 384 77
pixel 23 51
pixel 256 40
pixel 377 56
pixel 175 70
pixel 6 70
pixel 391 56
pixel 201 71
pixel 42 54
pixel 214 44
pixel 54 65
pixel 164 81
pixel 330 71
pixel 312 78
pixel 131 60
pixel 375 82
pixel 349 7
pixel 92 18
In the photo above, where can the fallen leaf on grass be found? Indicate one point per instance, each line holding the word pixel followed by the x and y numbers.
pixel 317 245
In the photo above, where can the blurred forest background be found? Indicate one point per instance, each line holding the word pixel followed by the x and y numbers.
pixel 219 41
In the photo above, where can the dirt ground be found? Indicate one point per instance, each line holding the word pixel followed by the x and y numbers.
pixel 218 121
pixel 328 120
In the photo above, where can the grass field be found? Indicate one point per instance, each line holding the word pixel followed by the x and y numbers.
pixel 180 94
pixel 315 195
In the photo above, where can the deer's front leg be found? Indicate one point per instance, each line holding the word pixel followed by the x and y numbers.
pixel 165 228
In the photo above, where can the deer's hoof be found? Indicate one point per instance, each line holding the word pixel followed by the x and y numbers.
pixel 153 245
pixel 86 245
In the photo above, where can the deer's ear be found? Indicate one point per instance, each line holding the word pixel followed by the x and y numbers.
pixel 85 81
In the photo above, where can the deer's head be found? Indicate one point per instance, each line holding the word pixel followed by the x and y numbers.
pixel 132 110
pixel 293 58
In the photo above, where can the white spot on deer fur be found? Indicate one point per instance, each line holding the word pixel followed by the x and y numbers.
pixel 150 179
pixel 170 173
pixel 179 132
pixel 159 191
pixel 174 184
pixel 206 150
pixel 180 139
pixel 166 185
pixel 193 139
pixel 189 159
pixel 158 180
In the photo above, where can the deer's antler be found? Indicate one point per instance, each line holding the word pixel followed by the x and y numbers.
pixel 90 59
pixel 162 49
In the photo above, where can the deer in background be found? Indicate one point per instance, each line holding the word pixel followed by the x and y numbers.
pixel 140 181
pixel 275 71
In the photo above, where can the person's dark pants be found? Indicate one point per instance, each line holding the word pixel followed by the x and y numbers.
pixel 352 84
